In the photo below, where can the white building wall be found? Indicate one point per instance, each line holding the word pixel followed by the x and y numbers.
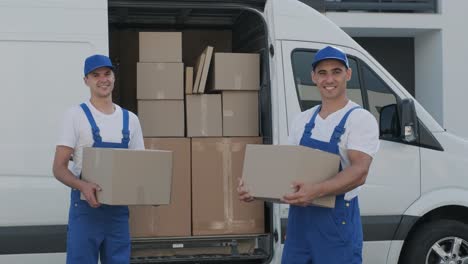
pixel 441 54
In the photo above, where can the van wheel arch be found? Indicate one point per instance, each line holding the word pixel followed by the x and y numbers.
pixel 452 217
pixel 435 240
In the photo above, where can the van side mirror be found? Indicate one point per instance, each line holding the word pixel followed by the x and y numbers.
pixel 409 121
pixel 399 121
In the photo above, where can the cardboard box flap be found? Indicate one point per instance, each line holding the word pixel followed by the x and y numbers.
pixel 198 72
pixel 279 165
pixel 206 69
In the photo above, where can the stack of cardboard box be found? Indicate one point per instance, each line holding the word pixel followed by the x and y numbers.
pixel 221 117
pixel 160 81
pixel 160 84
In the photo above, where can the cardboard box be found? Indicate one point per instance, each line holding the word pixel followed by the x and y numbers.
pixel 129 177
pixel 207 55
pixel 160 46
pixel 160 81
pixel 198 72
pixel 174 219
pixel 240 113
pixel 204 115
pixel 162 118
pixel 216 209
pixel 235 71
pixel 280 165
pixel 188 80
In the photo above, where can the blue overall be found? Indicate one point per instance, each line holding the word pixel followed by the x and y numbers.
pixel 103 230
pixel 318 235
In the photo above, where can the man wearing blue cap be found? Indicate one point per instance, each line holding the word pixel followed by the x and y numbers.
pixel 340 126
pixel 95 230
pixel 317 235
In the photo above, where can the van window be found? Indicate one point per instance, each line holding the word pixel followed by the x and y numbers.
pixel 307 92
pixel 378 93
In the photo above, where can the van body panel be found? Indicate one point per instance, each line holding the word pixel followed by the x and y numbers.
pixel 438 198
pixel 394 252
pixel 43 43
pixel 42 46
pixel 448 168
pixel 375 252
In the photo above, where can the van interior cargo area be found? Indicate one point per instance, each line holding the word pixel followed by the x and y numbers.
pixel 246 30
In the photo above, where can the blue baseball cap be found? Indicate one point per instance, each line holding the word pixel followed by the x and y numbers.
pixel 330 53
pixel 96 61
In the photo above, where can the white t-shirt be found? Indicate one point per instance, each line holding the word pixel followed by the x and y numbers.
pixel 76 131
pixel 361 133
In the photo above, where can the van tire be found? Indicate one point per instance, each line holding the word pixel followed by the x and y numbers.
pixel 442 232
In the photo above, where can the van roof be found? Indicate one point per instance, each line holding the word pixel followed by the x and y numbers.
pixel 186 12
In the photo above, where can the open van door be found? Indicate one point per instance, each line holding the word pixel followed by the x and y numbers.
pixel 42 48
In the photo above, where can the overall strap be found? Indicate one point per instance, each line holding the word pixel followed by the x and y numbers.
pixel 94 127
pixel 311 124
pixel 340 129
pixel 125 130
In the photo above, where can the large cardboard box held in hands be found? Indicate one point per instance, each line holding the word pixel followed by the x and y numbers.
pixel 160 81
pixel 162 118
pixel 129 177
pixel 234 71
pixel 240 113
pixel 269 170
pixel 160 46
pixel 216 209
pixel 174 219
pixel 204 115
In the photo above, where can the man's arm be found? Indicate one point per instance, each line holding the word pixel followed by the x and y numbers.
pixel 64 175
pixel 346 180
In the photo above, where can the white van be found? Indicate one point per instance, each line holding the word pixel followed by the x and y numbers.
pixel 415 202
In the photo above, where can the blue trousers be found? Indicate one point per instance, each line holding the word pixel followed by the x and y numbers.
pixel 100 231
pixel 317 235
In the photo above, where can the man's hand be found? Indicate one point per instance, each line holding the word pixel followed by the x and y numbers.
pixel 244 194
pixel 303 195
pixel 89 190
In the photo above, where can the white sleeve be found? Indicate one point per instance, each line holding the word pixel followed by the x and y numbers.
pixel 68 130
pixel 295 131
pixel 136 138
pixel 363 133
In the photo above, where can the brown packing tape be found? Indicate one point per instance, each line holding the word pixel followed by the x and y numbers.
pixel 226 155
pixel 228 226
pixel 232 188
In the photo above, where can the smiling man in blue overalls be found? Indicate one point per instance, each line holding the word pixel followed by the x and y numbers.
pixel 317 235
pixel 95 230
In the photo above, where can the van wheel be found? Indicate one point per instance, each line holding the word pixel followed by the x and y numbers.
pixel 439 242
